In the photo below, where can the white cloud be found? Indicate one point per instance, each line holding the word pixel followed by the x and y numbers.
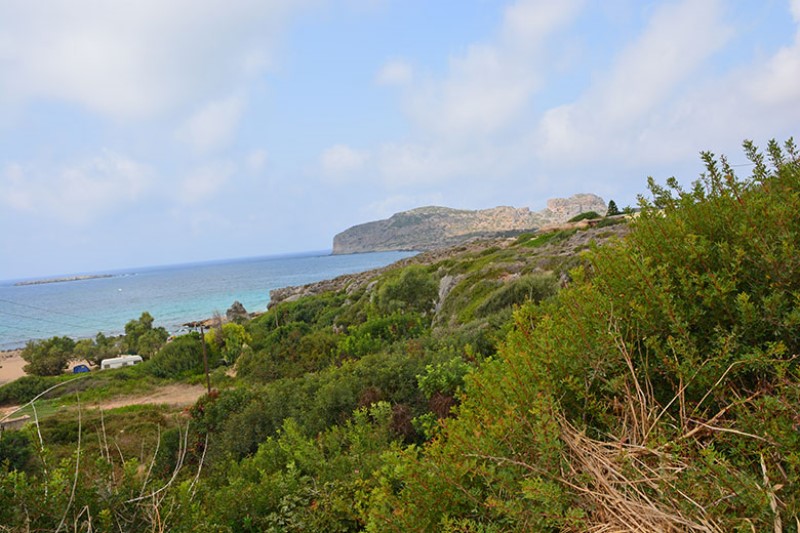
pixel 366 6
pixel 133 60
pixel 395 72
pixel 76 193
pixel 15 192
pixel 205 181
pixel 340 162
pixel 410 164
pixel 484 92
pixel 526 23
pixel 256 160
pixel 776 84
pixel 487 88
pixel 214 125
pixel 207 225
pixel 642 90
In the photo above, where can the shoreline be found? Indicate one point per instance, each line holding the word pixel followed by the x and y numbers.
pixel 11 363
pixel 12 366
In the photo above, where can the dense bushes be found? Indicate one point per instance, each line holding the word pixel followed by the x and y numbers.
pixel 530 288
pixel 179 358
pixel 658 392
pixel 300 483
pixel 329 391
pixel 15 450
pixel 413 290
pixel 25 389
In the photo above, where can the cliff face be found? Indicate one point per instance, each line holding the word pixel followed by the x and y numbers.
pixel 427 228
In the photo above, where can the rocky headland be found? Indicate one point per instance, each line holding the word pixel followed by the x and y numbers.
pixel 429 228
pixel 352 283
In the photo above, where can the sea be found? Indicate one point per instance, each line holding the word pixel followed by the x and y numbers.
pixel 173 295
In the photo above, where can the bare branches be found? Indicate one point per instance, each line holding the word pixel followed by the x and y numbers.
pixel 178 465
pixel 77 468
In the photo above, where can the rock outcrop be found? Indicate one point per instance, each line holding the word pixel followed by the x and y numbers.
pixel 237 313
pixel 428 228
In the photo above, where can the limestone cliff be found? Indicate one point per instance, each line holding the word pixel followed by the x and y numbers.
pixel 427 228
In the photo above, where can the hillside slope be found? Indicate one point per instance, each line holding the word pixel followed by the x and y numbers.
pixel 427 228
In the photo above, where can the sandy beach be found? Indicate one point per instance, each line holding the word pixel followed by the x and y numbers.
pixel 11 364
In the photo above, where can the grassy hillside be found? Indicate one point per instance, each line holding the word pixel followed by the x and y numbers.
pixel 639 376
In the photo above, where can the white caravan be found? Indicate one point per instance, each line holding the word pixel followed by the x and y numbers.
pixel 119 362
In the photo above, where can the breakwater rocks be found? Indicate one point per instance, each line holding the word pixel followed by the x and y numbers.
pixel 61 280
pixel 428 228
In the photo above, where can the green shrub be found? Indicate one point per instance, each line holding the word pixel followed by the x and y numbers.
pixel 24 389
pixel 278 353
pixel 413 290
pixel 664 378
pixel 586 215
pixel 530 288
pixel 379 332
pixel 179 358
pixel 611 222
pixel 547 238
pixel 15 450
pixel 444 378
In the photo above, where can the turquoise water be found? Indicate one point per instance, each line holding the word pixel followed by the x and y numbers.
pixel 172 294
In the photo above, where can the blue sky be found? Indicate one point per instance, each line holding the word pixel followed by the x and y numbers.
pixel 159 132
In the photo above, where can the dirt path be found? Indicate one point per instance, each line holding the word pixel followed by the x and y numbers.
pixel 175 395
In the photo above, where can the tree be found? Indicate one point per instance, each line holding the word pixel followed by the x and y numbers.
pixel 97 349
pixel 48 357
pixel 234 338
pixel 142 338
pixel 151 342
pixel 612 209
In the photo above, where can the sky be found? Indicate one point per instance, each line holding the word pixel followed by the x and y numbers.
pixel 170 131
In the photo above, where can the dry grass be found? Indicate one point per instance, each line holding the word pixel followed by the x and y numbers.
pixel 626 484
pixel 621 486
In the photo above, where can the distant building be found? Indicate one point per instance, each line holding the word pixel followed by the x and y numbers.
pixel 14 423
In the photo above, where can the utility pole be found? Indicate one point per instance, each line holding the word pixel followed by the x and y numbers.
pixel 205 358
pixel 201 327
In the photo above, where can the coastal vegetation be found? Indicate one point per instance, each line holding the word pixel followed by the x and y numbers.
pixel 639 376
